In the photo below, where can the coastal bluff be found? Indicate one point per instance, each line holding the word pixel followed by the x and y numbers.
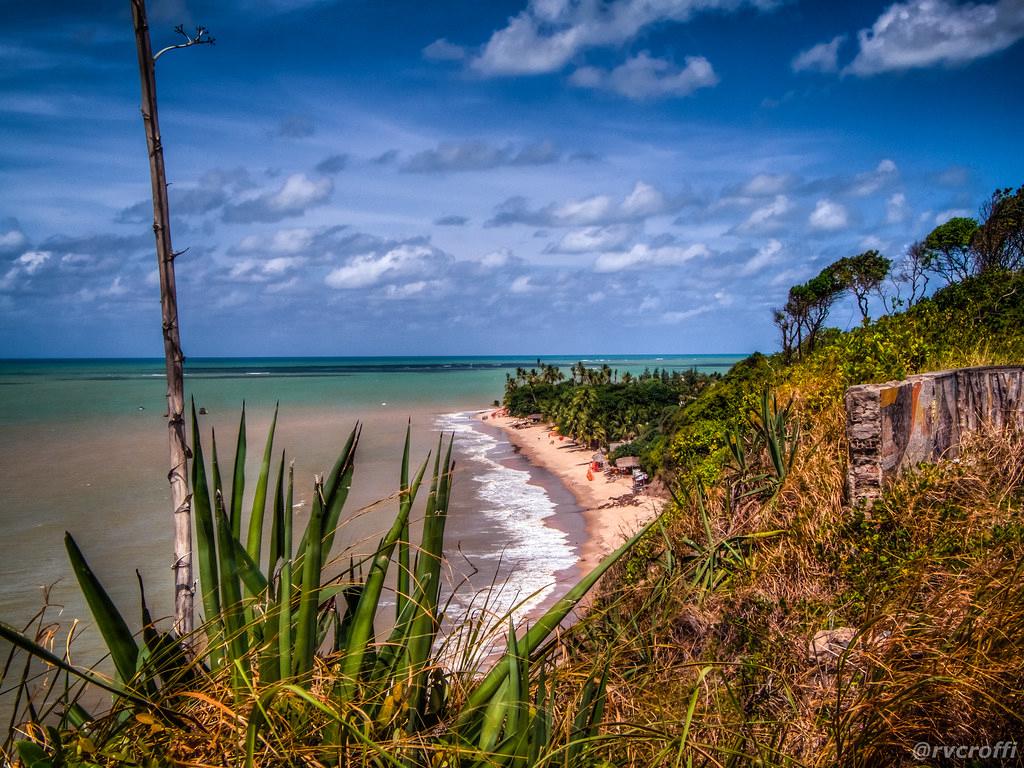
pixel 899 424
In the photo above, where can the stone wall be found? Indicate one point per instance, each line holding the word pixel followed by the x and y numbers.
pixel 902 423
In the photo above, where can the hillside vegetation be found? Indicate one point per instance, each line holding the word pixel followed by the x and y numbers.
pixel 760 620
pixel 707 630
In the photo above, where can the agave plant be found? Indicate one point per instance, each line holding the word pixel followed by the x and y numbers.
pixel 772 431
pixel 286 642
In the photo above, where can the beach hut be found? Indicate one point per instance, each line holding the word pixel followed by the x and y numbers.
pixel 626 464
pixel 535 418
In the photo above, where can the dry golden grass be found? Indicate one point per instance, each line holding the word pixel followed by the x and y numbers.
pixel 932 581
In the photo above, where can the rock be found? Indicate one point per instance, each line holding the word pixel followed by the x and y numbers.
pixel 899 424
pixel 829 644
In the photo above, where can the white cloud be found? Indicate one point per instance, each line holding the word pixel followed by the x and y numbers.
pixel 764 184
pixel 494 259
pixel 415 288
pixel 594 239
pixel 522 284
pixel 642 202
pixel 292 198
pixel 823 57
pixel 641 255
pixel 644 77
pixel 549 33
pixel 280 264
pixel 256 270
pixel 442 50
pixel 12 240
pixel 521 49
pixel 951 213
pixel 765 216
pixel 645 200
pixel 476 155
pixel 885 173
pixel 31 261
pixel 282 241
pixel 829 216
pixel 766 255
pixel 926 33
pixel 299 191
pixel 896 208
pixel 115 290
pixel 370 268
pixel 10 279
pixel 673 318
pixel 583 211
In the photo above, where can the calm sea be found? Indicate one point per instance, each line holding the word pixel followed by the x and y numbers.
pixel 83 449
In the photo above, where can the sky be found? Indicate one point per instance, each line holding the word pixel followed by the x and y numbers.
pixel 371 177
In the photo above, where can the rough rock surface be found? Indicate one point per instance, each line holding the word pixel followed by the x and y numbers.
pixel 829 644
pixel 900 424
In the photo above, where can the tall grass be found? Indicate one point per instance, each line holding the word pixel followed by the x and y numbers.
pixel 709 651
pixel 287 666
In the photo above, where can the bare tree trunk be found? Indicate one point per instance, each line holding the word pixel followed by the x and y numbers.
pixel 179 453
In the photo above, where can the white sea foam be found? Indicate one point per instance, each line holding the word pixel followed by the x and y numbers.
pixel 531 552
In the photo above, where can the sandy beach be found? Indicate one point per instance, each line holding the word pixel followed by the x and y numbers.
pixel 611 510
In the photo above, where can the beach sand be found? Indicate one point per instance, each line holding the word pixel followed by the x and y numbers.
pixel 611 511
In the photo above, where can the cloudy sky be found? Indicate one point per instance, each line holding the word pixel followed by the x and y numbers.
pixel 459 177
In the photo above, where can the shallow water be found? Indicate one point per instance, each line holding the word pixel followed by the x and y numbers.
pixel 83 449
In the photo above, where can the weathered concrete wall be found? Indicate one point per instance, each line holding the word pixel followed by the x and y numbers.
pixel 902 423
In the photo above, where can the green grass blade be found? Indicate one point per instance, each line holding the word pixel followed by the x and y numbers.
pixel 369 598
pixel 259 502
pixel 122 646
pixel 249 572
pixel 402 583
pixel 284 626
pixel 238 480
pixel 218 487
pixel 277 526
pixel 206 543
pixel 428 582
pixel 166 653
pixel 336 491
pixel 231 591
pixel 309 595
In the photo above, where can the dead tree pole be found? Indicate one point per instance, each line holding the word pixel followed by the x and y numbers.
pixel 179 452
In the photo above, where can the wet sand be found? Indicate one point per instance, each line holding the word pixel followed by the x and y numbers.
pixel 610 509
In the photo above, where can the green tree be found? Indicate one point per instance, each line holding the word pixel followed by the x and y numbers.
pixel 808 306
pixel 948 249
pixel 912 272
pixel 862 274
pixel 999 242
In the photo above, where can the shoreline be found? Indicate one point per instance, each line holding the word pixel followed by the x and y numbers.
pixel 611 511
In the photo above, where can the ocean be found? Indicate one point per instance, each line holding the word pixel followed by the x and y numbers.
pixel 83 449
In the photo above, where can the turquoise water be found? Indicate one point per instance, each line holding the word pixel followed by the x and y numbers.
pixel 83 448
pixel 46 390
